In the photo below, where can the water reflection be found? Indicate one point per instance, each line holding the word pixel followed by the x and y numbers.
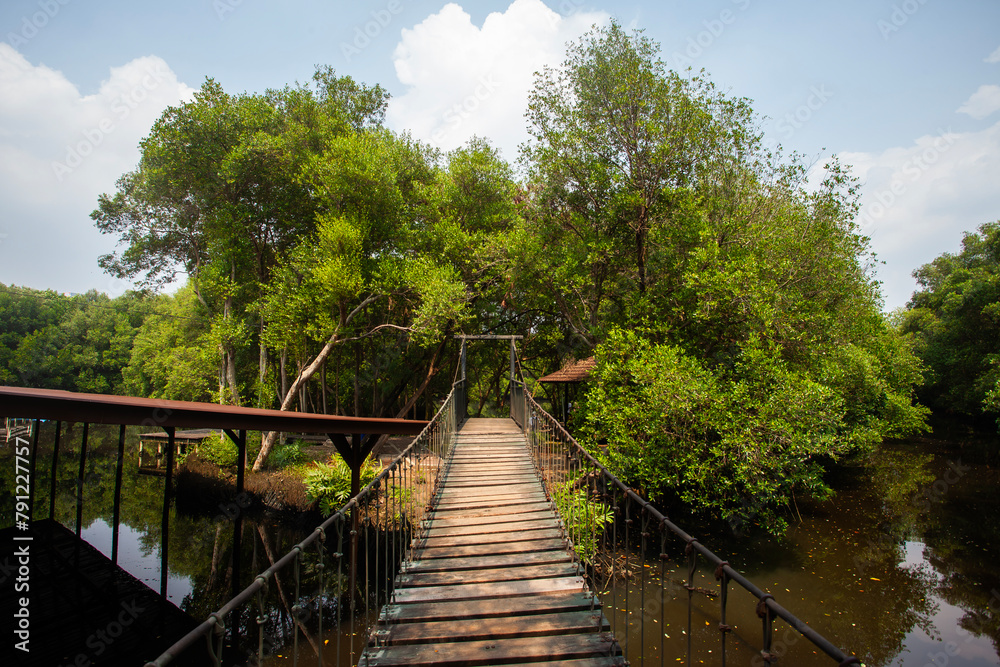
pixel 899 568
pixel 137 557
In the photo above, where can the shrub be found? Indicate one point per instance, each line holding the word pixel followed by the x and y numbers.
pixel 330 483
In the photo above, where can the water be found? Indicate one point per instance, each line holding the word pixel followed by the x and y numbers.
pixel 899 568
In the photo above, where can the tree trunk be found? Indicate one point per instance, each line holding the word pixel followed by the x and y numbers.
pixel 293 391
pixel 322 382
pixel 357 389
pixel 431 372
pixel 305 374
pixel 284 372
pixel 263 400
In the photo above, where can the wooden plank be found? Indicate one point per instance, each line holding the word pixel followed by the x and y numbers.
pixel 496 628
pixel 529 649
pixel 477 562
pixel 457 486
pixel 481 504
pixel 470 609
pixel 522 547
pixel 491 590
pixel 475 518
pixel 490 492
pixel 474 527
pixel 477 472
pixel 480 576
pixel 440 541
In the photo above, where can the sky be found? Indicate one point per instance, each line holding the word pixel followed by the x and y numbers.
pixel 906 92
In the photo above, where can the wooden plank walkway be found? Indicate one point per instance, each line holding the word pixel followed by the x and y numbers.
pixel 492 581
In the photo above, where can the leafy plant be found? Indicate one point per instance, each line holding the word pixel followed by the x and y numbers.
pixel 584 518
pixel 330 483
pixel 218 450
pixel 285 455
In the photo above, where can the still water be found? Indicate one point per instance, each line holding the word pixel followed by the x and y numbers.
pixel 900 567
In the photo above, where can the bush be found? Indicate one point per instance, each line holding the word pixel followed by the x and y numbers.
pixel 285 455
pixel 584 518
pixel 330 483
pixel 220 451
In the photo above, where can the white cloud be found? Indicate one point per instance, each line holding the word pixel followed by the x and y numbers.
pixel 465 80
pixel 59 150
pixel 918 199
pixel 982 103
pixel 994 57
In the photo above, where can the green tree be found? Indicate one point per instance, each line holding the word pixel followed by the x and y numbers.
pixel 398 250
pixel 738 331
pixel 174 354
pixel 955 320
pixel 217 196
pixel 76 343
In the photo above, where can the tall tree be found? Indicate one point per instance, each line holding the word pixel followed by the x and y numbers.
pixel 217 196
pixel 737 327
pixel 955 319
pixel 399 248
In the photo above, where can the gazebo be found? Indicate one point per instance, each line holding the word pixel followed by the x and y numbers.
pixel 569 376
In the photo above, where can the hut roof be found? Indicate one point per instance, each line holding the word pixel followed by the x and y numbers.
pixel 577 371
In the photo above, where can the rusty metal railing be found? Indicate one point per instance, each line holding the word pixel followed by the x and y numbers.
pixel 613 530
pixel 328 622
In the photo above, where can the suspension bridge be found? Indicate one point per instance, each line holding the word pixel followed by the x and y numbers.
pixel 485 542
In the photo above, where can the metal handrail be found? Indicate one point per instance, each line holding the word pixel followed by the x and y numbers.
pixel 446 416
pixel 767 607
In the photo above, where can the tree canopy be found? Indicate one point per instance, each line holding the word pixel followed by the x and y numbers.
pixel 955 320
pixel 737 327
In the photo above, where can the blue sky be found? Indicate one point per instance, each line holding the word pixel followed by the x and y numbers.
pixel 908 92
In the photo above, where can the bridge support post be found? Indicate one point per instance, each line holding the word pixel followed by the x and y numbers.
pixel 165 522
pixel 354 453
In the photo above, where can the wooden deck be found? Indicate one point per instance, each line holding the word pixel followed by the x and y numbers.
pixel 492 581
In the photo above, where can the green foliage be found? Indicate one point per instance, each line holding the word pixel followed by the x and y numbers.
pixel 219 450
pixel 738 331
pixel 174 355
pixel 285 455
pixel 76 343
pixel 584 519
pixel 954 319
pixel 330 483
